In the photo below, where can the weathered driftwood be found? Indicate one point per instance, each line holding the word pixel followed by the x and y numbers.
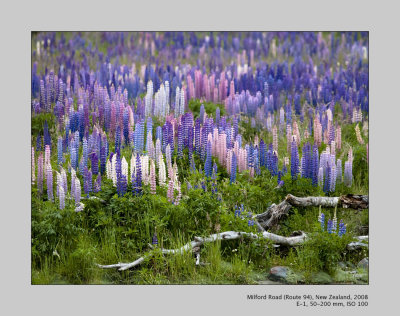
pixel 297 238
pixel 275 213
pixel 199 241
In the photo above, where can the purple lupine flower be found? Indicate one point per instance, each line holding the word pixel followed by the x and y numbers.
pixel 294 163
pixel 87 181
pixel 233 168
pixel 154 240
pixel 97 184
pixel 251 221
pixel 207 164
pixel 314 166
pixel 137 185
pixel 180 141
pixel 103 160
pixel 327 183
pixel 329 226
pixel 118 139
pixel 237 211
pixel 60 150
pixel 342 228
pixel 95 163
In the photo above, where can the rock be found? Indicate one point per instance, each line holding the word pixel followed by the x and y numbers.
pixel 285 275
pixel 321 278
pixel 363 264
pixel 278 273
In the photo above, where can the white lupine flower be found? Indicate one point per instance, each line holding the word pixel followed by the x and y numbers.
pixel 161 171
pixel 133 168
pixel 64 180
pixel 108 169
pixel 144 160
pixel 113 170
pixel 177 101
pixel 59 183
pixel 124 168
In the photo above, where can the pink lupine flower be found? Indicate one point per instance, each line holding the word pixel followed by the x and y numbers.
pixel 179 196
pixel 338 138
pixel 170 192
pixel 358 134
pixel 296 132
pixel 289 138
pixel 49 178
pixel 152 178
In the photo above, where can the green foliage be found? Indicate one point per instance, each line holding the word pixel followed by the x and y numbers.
pixel 322 251
pixel 209 107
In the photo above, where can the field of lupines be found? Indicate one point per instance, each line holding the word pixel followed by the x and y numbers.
pixel 143 143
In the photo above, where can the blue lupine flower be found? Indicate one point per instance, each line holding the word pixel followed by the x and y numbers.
pixel 238 211
pixel 327 182
pixel 233 169
pixel 294 163
pixel 342 228
pixel 207 165
pixel 329 226
pixel 251 221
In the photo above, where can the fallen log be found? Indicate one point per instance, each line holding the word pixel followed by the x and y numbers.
pixel 199 241
pixel 297 238
pixel 275 213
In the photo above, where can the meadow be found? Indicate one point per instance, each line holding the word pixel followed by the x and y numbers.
pixel 184 152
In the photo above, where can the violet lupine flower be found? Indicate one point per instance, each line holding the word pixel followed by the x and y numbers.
pixel 103 159
pixel 342 228
pixel 180 141
pixel 237 211
pixel 87 181
pixel 95 163
pixel 251 221
pixel 314 166
pixel 61 197
pixel 329 226
pixel 207 164
pixel 97 184
pixel 59 151
pixel 327 182
pixel 49 177
pixel 154 240
pixel 118 139
pixel 294 165
pixel 233 168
